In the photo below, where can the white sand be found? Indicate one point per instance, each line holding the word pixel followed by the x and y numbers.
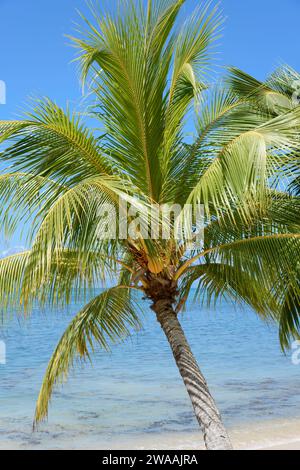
pixel 273 435
pixel 268 435
pixel 276 435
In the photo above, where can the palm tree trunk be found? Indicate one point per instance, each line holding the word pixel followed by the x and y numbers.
pixel 208 416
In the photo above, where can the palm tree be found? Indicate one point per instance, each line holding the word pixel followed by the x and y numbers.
pixel 145 73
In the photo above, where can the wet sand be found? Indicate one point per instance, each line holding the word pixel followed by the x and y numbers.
pixel 268 435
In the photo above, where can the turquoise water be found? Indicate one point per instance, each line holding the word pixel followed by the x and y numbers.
pixel 136 389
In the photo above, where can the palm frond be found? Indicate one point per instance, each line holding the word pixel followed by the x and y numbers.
pixel 25 282
pixel 268 96
pixel 216 281
pixel 192 50
pixel 130 87
pixel 193 46
pixel 239 175
pixel 9 128
pixel 12 270
pixel 258 268
pixel 289 317
pixel 21 196
pixel 53 143
pixel 108 318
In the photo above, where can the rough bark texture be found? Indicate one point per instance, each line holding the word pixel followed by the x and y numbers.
pixel 208 416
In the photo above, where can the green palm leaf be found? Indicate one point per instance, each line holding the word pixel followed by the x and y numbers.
pixel 108 318
pixel 55 140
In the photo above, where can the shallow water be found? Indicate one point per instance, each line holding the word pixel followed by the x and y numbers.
pixel 136 389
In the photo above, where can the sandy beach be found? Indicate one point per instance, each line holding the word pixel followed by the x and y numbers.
pixel 270 435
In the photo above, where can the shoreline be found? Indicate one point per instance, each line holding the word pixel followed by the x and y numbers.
pixel 281 434
pixel 264 435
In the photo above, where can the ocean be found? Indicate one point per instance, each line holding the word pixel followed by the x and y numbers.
pixel 136 389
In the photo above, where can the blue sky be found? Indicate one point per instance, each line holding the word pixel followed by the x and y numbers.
pixel 36 59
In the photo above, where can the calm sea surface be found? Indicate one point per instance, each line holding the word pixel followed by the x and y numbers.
pixel 136 389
